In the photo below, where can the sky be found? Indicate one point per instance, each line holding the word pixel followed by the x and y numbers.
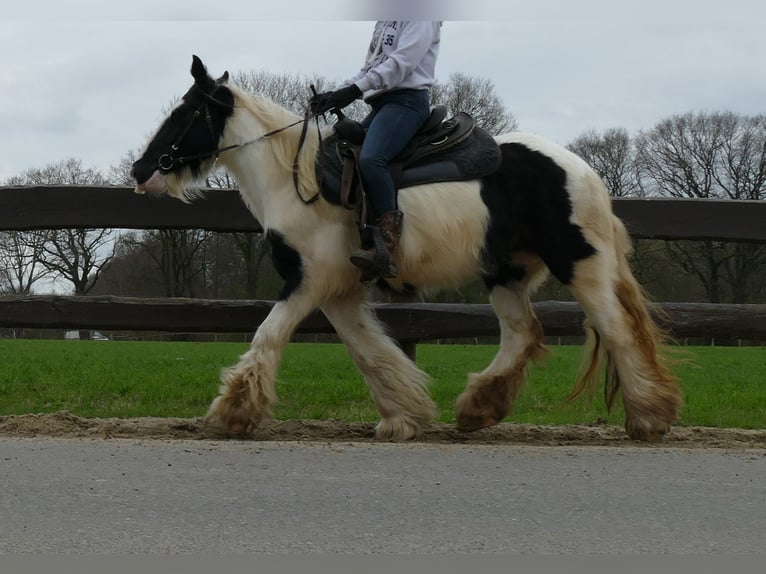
pixel 90 78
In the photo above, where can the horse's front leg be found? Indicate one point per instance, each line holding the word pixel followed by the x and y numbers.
pixel 247 393
pixel 397 385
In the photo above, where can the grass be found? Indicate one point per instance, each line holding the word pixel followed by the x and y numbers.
pixel 723 387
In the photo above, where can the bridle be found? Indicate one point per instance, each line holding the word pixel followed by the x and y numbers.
pixel 167 161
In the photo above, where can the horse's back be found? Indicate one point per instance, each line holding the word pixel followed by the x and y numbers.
pixel 575 167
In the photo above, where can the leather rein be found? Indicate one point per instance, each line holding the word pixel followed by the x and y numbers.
pixel 167 161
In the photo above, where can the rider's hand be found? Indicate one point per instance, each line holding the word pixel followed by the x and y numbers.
pixel 325 101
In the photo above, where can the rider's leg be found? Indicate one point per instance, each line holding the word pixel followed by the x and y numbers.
pixel 396 118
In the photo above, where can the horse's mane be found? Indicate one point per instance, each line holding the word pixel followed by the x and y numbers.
pixel 285 144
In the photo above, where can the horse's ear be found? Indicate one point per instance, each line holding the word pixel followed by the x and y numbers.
pixel 198 70
pixel 223 79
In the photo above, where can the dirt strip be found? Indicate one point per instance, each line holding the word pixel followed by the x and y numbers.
pixel 66 425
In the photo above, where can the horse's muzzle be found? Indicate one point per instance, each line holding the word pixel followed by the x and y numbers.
pixel 157 183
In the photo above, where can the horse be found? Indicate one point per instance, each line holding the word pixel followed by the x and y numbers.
pixel 542 212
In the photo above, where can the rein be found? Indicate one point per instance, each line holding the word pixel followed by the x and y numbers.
pixel 167 161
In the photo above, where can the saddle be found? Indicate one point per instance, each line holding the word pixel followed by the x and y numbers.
pixel 442 150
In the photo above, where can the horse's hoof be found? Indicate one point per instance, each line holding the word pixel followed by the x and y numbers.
pixel 232 429
pixel 646 432
pixel 238 428
pixel 396 429
pixel 471 424
pixel 229 417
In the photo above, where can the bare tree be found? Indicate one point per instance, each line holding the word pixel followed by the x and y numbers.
pixel 741 168
pixel 253 249
pixel 20 260
pixel 119 173
pixel 680 155
pixel 67 172
pixel 288 90
pixel 74 255
pixel 710 155
pixel 476 97
pixel 177 253
pixel 612 155
pixel 78 255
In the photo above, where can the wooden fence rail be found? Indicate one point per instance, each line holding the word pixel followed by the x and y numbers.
pixel 407 322
pixel 47 207
pixel 61 207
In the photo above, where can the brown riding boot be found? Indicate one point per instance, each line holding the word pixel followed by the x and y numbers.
pixel 379 260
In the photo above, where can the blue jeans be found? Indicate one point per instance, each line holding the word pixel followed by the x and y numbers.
pixel 395 118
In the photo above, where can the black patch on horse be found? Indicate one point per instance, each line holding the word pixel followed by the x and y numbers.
pixel 287 262
pixel 529 209
pixel 194 127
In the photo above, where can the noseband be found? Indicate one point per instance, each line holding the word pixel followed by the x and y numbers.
pixel 167 161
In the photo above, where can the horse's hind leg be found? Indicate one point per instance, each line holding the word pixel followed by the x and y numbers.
pixel 397 385
pixel 490 395
pixel 615 307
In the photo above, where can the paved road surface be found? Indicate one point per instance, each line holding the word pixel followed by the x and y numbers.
pixel 82 496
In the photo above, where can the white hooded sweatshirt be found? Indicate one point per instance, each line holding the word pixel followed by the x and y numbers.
pixel 402 54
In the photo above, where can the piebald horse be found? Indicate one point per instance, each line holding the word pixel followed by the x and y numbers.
pixel 544 210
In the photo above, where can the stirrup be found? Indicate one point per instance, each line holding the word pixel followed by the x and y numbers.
pixel 376 261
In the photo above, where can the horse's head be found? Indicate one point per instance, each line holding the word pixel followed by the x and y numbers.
pixel 186 143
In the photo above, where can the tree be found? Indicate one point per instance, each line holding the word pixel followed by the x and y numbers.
pixel 78 255
pixel 74 255
pixel 612 155
pixel 119 173
pixel 131 272
pixel 20 260
pixel 476 97
pixel 288 90
pixel 710 155
pixel 177 255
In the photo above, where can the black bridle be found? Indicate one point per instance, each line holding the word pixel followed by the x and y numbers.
pixel 167 161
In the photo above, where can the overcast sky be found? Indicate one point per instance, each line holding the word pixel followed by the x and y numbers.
pixel 89 78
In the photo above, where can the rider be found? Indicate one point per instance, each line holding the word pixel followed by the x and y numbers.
pixel 395 81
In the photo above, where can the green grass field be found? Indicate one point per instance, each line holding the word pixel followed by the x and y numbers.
pixel 723 387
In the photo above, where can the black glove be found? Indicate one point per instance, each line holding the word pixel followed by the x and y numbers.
pixel 325 101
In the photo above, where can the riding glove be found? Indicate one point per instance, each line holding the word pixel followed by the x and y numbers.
pixel 325 101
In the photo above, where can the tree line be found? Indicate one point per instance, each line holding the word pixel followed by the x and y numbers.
pixel 696 154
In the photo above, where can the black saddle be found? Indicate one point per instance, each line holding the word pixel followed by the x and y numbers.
pixel 442 150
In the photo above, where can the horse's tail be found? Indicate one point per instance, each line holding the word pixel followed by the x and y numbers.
pixel 649 341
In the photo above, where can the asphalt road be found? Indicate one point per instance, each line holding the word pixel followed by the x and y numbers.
pixel 123 496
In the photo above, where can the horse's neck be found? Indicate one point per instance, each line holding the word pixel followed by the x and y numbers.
pixel 266 185
pixel 257 190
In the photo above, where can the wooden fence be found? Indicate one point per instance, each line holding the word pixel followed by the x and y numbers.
pixel 45 207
